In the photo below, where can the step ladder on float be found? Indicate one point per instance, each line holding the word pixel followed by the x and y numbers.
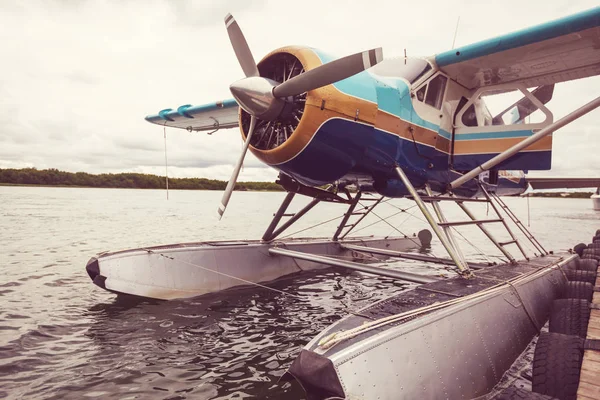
pixel 443 228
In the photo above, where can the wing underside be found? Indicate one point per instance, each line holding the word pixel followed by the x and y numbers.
pixel 557 51
pixel 218 115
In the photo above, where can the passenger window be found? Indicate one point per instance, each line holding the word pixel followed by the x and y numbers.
pixel 421 93
pixel 435 94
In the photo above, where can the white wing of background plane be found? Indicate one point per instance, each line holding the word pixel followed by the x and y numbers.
pixel 207 117
pixel 563 183
pixel 557 51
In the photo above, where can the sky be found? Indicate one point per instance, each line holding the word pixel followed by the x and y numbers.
pixel 78 77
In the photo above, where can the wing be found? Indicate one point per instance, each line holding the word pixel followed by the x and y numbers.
pixel 219 115
pixel 563 183
pixel 557 51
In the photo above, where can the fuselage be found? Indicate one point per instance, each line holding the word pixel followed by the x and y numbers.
pixel 400 112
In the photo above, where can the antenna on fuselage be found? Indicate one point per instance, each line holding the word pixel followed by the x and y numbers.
pixel 455 31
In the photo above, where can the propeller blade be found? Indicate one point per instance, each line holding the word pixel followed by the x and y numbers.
pixel 240 46
pixel 236 171
pixel 329 73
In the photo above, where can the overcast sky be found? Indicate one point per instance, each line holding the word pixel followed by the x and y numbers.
pixel 78 77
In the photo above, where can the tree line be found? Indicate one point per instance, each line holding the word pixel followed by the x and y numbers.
pixel 54 177
pixel 568 195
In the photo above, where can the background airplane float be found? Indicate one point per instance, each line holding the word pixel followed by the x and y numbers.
pixel 408 127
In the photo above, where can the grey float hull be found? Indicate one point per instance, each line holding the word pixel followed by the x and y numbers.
pixel 458 352
pixel 193 269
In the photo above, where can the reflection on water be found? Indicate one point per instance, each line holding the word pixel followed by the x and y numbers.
pixel 62 337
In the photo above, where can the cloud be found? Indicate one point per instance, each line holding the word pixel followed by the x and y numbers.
pixel 82 75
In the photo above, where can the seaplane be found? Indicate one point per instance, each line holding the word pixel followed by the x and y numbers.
pixel 361 129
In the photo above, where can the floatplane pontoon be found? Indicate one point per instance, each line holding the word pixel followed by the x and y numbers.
pixel 419 129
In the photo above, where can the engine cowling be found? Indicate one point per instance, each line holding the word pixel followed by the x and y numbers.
pixel 278 141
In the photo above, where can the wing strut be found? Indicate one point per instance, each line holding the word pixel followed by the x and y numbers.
pixel 581 111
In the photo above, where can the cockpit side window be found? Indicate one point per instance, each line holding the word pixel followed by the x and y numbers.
pixel 435 94
pixel 421 93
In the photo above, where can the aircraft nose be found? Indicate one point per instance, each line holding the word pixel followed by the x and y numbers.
pixel 255 95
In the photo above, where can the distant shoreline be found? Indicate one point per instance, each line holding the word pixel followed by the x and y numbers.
pixel 56 178
pixel 32 185
pixel 565 195
pixel 31 177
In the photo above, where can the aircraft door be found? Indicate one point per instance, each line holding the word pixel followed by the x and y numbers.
pixel 432 111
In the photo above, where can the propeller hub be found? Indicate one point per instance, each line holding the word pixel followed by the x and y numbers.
pixel 255 95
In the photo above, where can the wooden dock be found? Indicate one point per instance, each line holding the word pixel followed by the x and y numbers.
pixel 589 381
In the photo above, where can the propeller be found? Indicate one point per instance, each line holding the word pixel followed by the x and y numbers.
pixel 265 98
pixel 236 171
pixel 329 73
pixel 246 60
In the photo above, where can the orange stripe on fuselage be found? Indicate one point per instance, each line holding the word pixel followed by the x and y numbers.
pixel 393 124
pixel 483 146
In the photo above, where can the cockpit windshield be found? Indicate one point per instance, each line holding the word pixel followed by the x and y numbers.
pixel 408 68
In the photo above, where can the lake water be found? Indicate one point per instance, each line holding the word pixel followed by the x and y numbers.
pixel 61 337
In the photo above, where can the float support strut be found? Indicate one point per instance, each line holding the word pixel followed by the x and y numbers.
pixel 277 217
pixel 446 228
pixel 405 276
pixel 271 233
pixel 460 264
pixel 347 216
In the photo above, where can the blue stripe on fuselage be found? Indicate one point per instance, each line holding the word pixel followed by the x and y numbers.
pixel 534 160
pixel 487 135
